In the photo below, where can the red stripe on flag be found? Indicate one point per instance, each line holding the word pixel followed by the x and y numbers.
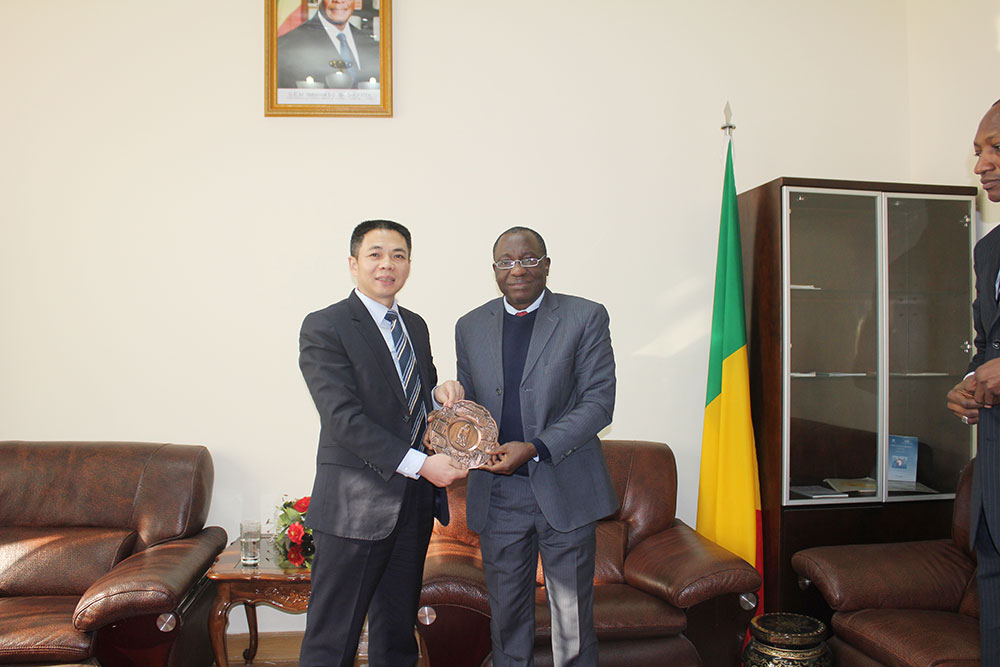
pixel 760 563
pixel 759 566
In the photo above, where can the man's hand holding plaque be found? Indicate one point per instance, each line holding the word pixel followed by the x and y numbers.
pixel 465 431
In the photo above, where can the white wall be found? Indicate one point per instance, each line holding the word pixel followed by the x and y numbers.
pixel 161 240
pixel 954 50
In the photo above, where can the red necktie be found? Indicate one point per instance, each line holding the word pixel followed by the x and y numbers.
pixel 521 313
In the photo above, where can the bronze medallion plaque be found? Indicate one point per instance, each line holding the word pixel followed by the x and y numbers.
pixel 466 432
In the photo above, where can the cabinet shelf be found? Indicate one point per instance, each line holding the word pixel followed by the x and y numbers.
pixel 822 292
pixel 816 291
pixel 825 375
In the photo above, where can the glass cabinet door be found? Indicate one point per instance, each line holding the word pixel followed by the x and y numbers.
pixel 929 336
pixel 831 331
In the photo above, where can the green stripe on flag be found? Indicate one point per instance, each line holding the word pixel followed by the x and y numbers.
pixel 728 320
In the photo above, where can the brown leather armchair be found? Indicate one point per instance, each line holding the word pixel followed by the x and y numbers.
pixel 903 603
pixel 103 553
pixel 663 594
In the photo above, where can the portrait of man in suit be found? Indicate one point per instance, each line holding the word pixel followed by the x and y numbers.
pixel 542 364
pixel 328 49
pixel 976 399
pixel 368 366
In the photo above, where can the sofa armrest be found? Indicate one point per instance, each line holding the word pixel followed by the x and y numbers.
pixel 152 581
pixel 684 568
pixel 930 574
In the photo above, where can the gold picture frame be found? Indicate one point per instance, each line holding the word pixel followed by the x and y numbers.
pixel 305 73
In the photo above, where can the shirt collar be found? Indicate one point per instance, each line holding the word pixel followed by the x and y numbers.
pixel 530 309
pixel 376 309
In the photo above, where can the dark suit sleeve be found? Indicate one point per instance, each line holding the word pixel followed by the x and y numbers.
pixel 346 397
pixel 594 378
pixel 980 340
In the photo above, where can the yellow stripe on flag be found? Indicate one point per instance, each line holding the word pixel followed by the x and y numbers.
pixel 728 495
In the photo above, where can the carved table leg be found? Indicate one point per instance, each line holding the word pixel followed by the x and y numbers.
pixel 250 653
pixel 217 624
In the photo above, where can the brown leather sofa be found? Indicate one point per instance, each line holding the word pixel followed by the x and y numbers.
pixel 663 595
pixel 903 603
pixel 103 553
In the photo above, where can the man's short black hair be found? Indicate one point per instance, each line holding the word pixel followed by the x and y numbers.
pixel 358 235
pixel 521 230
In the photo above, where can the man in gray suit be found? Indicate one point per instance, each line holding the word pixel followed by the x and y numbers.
pixel 981 389
pixel 542 364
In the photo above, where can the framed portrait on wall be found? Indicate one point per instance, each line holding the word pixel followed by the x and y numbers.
pixel 328 58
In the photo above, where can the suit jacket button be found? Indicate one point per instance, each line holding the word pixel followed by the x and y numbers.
pixel 406 419
pixel 499 391
pixel 996 345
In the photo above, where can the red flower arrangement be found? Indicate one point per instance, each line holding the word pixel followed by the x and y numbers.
pixel 294 541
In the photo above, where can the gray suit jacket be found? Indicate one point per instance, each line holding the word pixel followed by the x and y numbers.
pixel 986 318
pixel 364 421
pixel 567 395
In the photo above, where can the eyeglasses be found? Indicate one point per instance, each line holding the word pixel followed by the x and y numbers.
pixel 526 262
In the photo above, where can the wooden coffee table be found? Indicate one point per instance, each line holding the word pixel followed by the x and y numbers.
pixel 268 583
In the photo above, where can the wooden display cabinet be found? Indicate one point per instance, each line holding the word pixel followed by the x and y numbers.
pixel 858 299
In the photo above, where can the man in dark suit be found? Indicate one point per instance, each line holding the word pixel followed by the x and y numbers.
pixel 543 366
pixel 325 45
pixel 981 389
pixel 367 363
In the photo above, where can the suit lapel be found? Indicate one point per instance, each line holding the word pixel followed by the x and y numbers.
pixel 371 334
pixel 987 293
pixel 545 325
pixel 493 345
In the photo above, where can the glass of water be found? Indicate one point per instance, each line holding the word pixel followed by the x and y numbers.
pixel 250 543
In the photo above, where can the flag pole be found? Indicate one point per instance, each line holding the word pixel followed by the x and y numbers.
pixel 729 511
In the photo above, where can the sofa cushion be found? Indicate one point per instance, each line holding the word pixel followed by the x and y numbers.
pixel 58 561
pixel 905 637
pixel 40 628
pixel 645 478
pixel 620 612
pixel 162 491
pixel 609 561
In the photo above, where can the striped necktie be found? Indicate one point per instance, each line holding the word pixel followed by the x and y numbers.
pixel 410 379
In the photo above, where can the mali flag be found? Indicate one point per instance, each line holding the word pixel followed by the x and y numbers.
pixel 729 492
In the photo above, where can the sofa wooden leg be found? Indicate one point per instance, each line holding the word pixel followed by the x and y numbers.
pixel 136 641
pixel 717 628
pixel 454 636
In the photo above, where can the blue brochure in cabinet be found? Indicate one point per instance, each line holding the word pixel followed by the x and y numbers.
pixel 902 458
